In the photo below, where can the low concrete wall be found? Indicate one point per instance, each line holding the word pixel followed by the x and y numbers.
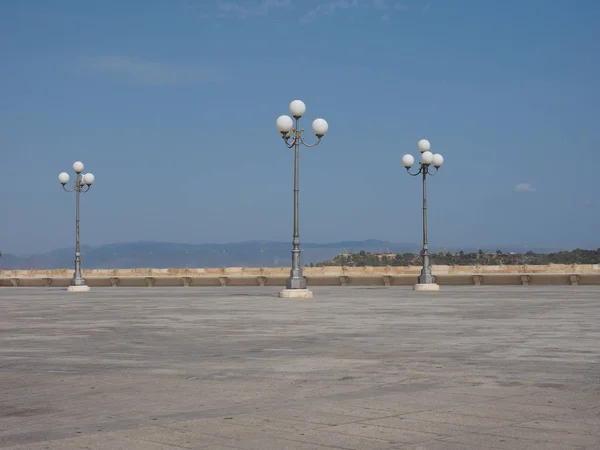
pixel 554 274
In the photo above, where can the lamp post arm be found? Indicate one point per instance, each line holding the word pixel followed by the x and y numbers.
pixel 414 174
pixel 310 145
pixel 433 174
pixel 288 143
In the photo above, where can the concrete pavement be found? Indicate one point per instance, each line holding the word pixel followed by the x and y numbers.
pixel 352 368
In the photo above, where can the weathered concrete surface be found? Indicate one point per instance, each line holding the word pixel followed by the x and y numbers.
pixel 357 368
pixel 575 274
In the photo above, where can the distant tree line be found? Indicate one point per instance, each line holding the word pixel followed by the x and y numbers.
pixel 361 259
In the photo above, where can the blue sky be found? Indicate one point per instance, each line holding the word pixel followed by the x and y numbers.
pixel 172 104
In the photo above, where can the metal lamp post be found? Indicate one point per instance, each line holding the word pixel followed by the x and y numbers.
pixel 426 281
pixel 82 183
pixel 292 135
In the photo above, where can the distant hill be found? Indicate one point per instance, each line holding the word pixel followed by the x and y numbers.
pixel 479 258
pixel 164 255
pixel 239 254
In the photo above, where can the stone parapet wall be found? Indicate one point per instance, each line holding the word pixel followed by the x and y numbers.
pixel 342 276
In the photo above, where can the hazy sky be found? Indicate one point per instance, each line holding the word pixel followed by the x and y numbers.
pixel 172 104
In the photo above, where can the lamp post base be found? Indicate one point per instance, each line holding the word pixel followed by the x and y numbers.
pixel 79 288
pixel 296 280
pixel 426 287
pixel 295 293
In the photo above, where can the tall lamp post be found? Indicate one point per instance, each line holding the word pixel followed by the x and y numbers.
pixel 426 281
pixel 82 183
pixel 292 135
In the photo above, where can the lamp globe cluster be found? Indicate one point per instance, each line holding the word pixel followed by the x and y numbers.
pixel 285 124
pixel 427 157
pixel 83 179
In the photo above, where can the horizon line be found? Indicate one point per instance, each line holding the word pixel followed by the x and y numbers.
pixel 347 241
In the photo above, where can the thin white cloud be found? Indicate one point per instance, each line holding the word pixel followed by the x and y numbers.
pixel 243 9
pixel 330 7
pixel 524 187
pixel 248 9
pixel 149 72
pixel 427 7
pixel 387 7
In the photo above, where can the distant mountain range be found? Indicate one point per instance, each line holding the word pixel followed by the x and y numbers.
pixel 241 254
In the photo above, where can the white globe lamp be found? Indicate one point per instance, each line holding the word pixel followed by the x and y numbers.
pixel 408 161
pixel 426 158
pixel 78 166
pixel 320 127
pixel 424 145
pixel 284 125
pixel 297 109
pixel 89 179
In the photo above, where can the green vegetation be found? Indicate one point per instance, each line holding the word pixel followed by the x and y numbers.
pixel 361 259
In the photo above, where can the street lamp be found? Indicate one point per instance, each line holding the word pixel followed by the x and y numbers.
pixel 426 280
pixel 292 135
pixel 82 183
